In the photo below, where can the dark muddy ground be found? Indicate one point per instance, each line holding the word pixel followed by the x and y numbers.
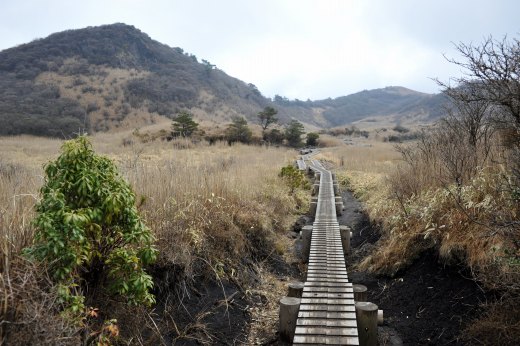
pixel 214 312
pixel 427 304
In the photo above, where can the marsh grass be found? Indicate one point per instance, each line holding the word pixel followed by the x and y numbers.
pixel 367 157
pixel 213 209
pixel 455 200
pixel 470 223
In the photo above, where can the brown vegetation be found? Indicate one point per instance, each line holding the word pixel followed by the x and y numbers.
pixel 456 189
pixel 217 212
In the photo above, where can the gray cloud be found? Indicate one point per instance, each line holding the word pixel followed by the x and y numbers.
pixel 296 48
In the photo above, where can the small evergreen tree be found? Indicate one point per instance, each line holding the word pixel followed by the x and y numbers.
pixel 267 117
pixel 294 178
pixel 88 229
pixel 312 139
pixel 274 136
pixel 293 133
pixel 238 131
pixel 184 125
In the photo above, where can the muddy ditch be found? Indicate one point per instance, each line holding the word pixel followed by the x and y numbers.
pixel 223 312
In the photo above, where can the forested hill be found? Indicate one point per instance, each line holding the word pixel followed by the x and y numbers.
pixel 111 76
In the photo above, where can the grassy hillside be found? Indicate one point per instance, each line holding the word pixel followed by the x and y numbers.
pixel 97 77
pixel 115 76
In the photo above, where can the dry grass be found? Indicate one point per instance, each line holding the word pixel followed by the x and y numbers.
pixel 215 202
pixel 469 224
pixel 368 157
pixel 500 325
pixel 326 141
pixel 417 212
pixel 211 208
pixel 420 206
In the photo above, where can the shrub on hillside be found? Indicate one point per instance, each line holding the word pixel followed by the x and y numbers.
pixel 88 230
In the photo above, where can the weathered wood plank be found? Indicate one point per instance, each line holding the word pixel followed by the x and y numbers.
pixel 325 340
pixel 326 322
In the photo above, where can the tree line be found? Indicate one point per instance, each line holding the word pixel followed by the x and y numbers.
pixel 238 130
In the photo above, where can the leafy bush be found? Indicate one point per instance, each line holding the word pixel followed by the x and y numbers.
pixel 294 178
pixel 401 129
pixel 274 136
pixel 89 231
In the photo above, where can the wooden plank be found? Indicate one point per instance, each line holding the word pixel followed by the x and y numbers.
pixel 328 295
pixel 326 330
pixel 326 300
pixel 325 307
pixel 325 340
pixel 328 290
pixel 326 322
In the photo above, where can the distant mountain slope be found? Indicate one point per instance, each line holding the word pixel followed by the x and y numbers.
pixel 112 76
pixel 396 101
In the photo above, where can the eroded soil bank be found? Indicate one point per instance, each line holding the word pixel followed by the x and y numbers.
pixel 426 304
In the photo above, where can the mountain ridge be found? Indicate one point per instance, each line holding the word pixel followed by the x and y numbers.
pixel 115 76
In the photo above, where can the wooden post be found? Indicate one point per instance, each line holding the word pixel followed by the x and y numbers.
pixel 306 242
pixel 339 205
pixel 312 209
pixel 289 307
pixel 333 177
pixel 313 206
pixel 298 246
pixel 366 315
pixel 317 176
pixel 339 208
pixel 335 186
pixel 380 319
pixel 315 189
pixel 344 232
pixel 360 293
pixel 295 289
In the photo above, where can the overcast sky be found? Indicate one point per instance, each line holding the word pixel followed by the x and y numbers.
pixel 295 48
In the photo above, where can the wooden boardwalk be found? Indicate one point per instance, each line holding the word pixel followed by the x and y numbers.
pixel 301 164
pixel 327 313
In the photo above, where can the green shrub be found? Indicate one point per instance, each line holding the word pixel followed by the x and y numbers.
pixel 88 229
pixel 294 178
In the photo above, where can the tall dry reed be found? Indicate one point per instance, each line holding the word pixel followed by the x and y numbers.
pixel 215 210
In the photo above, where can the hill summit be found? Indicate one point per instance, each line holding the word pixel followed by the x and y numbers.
pixel 115 76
